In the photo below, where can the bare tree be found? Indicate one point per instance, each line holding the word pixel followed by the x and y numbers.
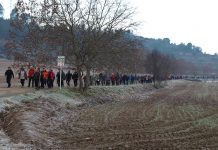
pixel 28 39
pixel 160 65
pixel 123 55
pixel 84 27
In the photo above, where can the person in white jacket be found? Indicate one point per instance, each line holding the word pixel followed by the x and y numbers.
pixel 22 76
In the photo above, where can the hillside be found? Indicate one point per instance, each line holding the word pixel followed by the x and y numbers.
pixel 190 54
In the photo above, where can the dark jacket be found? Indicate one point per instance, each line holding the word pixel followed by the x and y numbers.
pixel 75 76
pixel 68 76
pixel 63 76
pixel 36 76
pixel 9 74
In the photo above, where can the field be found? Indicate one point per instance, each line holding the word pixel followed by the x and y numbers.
pixel 183 115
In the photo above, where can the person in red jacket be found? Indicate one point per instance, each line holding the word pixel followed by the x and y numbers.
pixel 30 76
pixel 51 78
pixel 45 77
pixel 113 78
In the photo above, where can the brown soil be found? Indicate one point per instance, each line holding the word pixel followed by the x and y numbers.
pixel 182 117
pixel 14 91
pixel 15 87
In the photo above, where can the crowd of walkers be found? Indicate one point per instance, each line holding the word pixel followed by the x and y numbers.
pixel 41 78
pixel 119 79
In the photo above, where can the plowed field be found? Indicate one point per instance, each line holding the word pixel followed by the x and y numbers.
pixel 184 116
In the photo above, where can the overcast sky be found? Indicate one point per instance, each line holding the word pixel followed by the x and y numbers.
pixel 185 21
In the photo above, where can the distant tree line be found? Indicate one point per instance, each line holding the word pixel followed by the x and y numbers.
pixel 190 58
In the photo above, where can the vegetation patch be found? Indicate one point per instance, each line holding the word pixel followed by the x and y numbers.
pixel 211 121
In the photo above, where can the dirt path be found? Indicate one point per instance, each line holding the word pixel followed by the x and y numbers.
pixel 184 116
pixel 15 88
pixel 5 92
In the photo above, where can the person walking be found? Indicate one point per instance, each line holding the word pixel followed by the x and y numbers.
pixel 113 79
pixel 51 78
pixel 68 77
pixel 62 75
pixel 22 76
pixel 117 77
pixel 42 78
pixel 36 77
pixel 30 76
pixel 45 77
pixel 108 80
pixel 9 75
pixel 75 77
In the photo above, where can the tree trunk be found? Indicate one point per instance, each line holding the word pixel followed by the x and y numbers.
pixel 87 81
pixel 80 79
pixel 154 80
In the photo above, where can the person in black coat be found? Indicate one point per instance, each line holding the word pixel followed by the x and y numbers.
pixel 68 77
pixel 75 77
pixel 36 78
pixel 63 76
pixel 9 74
